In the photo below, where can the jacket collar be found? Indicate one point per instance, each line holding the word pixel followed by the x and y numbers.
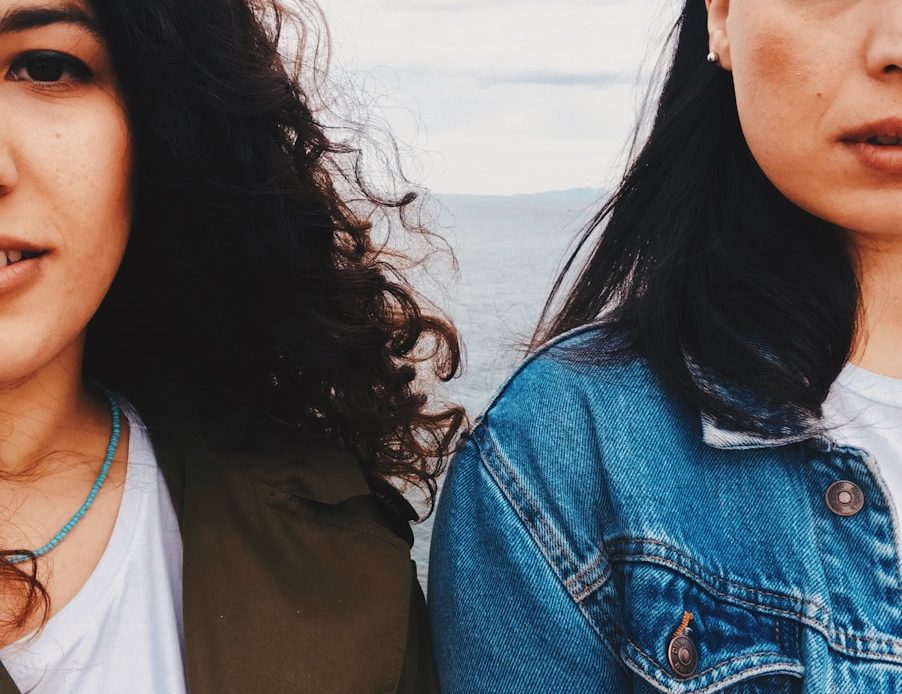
pixel 769 424
pixel 725 438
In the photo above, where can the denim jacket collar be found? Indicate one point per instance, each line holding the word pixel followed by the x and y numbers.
pixel 725 438
pixel 772 424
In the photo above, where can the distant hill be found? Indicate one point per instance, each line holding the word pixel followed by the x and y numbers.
pixel 572 198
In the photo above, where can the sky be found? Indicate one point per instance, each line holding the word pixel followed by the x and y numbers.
pixel 499 96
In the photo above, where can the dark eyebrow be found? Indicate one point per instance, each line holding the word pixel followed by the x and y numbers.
pixel 25 18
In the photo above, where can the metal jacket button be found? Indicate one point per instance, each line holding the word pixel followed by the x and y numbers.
pixel 845 498
pixel 683 656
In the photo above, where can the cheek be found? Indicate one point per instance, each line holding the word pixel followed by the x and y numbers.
pixel 779 95
pixel 784 84
pixel 73 161
pixel 95 179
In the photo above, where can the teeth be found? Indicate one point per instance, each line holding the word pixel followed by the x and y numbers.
pixel 10 257
pixel 14 256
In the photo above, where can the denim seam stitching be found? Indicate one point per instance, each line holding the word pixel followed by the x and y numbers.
pixel 529 522
pixel 722 663
pixel 534 533
pixel 696 570
pixel 828 632
pixel 593 587
pixel 579 579
pixel 567 575
pixel 695 566
pixel 745 674
pixel 707 586
pixel 591 566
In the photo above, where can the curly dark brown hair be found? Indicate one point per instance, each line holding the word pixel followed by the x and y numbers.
pixel 252 287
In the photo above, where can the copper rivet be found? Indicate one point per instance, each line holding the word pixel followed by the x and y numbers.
pixel 845 498
pixel 683 656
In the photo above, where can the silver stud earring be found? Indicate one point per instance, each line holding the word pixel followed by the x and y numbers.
pixel 714 58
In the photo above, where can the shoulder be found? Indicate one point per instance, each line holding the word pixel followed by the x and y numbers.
pixel 220 452
pixel 584 366
pixel 579 402
pixel 570 439
pixel 327 481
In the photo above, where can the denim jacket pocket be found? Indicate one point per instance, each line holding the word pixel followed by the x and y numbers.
pixel 682 636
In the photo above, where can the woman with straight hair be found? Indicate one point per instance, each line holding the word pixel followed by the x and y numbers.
pixel 693 484
pixel 210 394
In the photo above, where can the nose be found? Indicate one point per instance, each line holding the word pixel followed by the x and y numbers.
pixel 884 54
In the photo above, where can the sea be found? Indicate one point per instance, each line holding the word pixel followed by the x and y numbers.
pixel 508 251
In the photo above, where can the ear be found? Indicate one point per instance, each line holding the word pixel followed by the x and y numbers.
pixel 718 40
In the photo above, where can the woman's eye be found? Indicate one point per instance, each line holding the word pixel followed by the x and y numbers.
pixel 48 68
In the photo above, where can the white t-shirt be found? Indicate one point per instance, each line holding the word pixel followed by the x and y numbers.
pixel 122 632
pixel 864 410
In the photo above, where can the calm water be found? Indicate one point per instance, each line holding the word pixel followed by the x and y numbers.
pixel 509 250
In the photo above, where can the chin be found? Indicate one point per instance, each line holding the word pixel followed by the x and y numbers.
pixel 874 217
pixel 28 356
pixel 874 212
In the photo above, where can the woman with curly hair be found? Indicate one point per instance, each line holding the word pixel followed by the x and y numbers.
pixel 209 374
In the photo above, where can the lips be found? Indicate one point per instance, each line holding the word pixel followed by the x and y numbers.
pixel 14 251
pixel 877 145
pixel 17 275
pixel 884 133
pixel 21 263
pixel 885 141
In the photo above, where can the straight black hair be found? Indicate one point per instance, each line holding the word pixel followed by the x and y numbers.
pixel 705 268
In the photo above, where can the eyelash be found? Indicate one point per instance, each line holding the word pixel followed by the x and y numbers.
pixel 78 72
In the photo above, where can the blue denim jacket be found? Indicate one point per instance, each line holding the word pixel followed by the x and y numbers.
pixel 596 534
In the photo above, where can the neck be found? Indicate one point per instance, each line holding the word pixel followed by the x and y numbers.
pixel 48 412
pixel 879 335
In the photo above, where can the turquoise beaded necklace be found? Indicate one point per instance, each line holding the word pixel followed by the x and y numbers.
pixel 113 402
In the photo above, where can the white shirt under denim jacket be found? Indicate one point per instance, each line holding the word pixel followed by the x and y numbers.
pixel 595 534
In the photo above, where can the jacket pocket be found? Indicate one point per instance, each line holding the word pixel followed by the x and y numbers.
pixel 681 636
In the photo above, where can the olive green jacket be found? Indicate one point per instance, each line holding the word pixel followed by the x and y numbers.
pixel 297 577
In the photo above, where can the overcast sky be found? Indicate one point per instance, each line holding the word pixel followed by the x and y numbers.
pixel 500 96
